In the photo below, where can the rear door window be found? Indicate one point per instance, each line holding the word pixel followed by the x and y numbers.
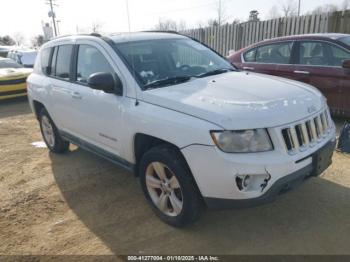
pixel 313 53
pixel 63 61
pixel 338 55
pixel 318 53
pixel 278 53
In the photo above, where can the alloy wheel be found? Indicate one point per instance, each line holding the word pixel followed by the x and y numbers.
pixel 164 189
pixel 48 132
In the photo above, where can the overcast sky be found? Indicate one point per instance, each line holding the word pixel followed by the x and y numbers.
pixel 26 16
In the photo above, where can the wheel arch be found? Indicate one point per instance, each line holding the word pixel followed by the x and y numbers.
pixel 38 106
pixel 144 142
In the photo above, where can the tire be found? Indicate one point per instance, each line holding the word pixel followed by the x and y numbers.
pixel 50 134
pixel 179 200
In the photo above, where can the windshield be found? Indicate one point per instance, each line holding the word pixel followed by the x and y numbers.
pixel 345 40
pixel 8 63
pixel 170 59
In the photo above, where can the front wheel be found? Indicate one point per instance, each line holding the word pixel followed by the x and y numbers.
pixel 169 187
pixel 50 134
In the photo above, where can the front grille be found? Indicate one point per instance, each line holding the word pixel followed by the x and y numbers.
pixel 306 134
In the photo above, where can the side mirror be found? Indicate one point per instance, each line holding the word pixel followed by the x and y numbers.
pixel 106 82
pixel 346 64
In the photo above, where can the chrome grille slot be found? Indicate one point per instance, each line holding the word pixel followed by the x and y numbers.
pixel 317 127
pixel 324 121
pixel 307 133
pixel 309 130
pixel 320 125
pixel 313 130
pixel 300 135
pixel 287 139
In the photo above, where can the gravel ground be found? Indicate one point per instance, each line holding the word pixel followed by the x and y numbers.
pixel 80 204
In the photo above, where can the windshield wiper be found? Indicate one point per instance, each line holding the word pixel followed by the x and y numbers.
pixel 215 72
pixel 167 81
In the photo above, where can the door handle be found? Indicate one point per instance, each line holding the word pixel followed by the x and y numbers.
pixel 76 95
pixel 248 68
pixel 301 72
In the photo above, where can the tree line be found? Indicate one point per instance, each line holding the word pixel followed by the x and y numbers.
pixel 18 39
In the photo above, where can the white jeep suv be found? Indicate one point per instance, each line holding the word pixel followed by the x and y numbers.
pixel 196 131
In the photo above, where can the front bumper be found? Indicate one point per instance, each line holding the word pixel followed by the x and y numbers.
pixel 282 185
pixel 215 175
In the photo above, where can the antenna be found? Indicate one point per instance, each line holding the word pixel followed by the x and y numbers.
pixel 132 57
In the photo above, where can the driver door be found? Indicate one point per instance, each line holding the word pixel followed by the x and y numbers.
pixel 97 114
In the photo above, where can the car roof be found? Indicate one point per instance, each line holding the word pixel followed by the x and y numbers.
pixel 120 37
pixel 333 36
pixel 140 36
pixel 320 36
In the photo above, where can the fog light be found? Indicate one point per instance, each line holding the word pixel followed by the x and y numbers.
pixel 243 182
pixel 246 181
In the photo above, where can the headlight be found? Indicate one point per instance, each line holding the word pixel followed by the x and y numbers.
pixel 242 141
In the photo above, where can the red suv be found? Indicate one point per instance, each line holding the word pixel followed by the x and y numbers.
pixel 322 60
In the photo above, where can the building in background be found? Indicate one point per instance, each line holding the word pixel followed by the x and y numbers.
pixel 48 31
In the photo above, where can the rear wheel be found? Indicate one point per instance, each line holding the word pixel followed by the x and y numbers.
pixel 50 134
pixel 169 187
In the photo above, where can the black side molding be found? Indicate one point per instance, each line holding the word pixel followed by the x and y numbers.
pixel 98 151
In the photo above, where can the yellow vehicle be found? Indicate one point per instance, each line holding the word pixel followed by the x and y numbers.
pixel 12 79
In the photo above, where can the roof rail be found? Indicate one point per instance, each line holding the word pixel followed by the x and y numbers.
pixel 61 36
pixel 162 31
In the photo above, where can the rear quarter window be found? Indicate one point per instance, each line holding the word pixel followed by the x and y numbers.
pixel 44 59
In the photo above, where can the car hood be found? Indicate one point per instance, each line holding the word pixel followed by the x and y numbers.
pixel 240 100
pixel 13 73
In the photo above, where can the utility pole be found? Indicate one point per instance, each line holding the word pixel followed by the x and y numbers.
pixel 52 14
pixel 299 8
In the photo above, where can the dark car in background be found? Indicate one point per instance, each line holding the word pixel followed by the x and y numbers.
pixel 322 60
